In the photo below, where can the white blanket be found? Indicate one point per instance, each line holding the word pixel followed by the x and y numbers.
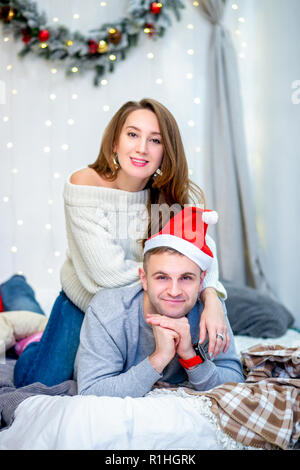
pixel 162 420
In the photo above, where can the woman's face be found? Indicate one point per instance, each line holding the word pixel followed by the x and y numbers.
pixel 139 148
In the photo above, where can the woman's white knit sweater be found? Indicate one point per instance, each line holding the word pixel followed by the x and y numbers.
pixel 104 227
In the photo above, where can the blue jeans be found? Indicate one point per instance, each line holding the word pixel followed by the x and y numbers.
pixel 51 360
pixel 17 294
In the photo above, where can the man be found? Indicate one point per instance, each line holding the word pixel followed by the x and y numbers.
pixel 133 337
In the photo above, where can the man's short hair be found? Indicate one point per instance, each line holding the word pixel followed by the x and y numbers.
pixel 157 251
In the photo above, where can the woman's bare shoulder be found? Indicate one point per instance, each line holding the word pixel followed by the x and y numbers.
pixel 86 177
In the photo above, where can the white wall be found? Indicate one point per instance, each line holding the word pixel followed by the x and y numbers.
pixel 269 65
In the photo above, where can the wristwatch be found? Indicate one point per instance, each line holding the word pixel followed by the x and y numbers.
pixel 200 351
pixel 197 359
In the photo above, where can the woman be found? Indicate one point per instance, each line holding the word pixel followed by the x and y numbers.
pixel 109 209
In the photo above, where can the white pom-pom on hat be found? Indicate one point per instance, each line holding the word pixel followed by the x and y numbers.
pixel 210 217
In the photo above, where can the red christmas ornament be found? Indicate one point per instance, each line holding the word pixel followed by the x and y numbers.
pixel 93 46
pixel 44 35
pixel 155 8
pixel 26 36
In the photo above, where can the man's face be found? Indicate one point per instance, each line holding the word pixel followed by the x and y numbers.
pixel 171 283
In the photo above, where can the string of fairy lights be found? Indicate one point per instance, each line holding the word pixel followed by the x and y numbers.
pixel 7 121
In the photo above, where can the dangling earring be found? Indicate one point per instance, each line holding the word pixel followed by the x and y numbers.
pixel 116 161
pixel 157 173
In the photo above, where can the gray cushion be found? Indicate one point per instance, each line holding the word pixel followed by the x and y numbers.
pixel 252 313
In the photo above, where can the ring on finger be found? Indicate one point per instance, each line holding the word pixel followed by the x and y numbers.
pixel 219 335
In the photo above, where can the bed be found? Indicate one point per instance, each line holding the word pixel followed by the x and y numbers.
pixel 56 418
pixel 165 419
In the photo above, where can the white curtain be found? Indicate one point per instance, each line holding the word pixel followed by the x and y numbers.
pixel 231 193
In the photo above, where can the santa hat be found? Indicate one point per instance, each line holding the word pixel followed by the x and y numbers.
pixel 186 233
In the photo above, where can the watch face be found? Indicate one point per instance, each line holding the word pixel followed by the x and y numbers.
pixel 200 351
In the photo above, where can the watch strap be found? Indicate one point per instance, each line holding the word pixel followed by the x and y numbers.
pixel 192 362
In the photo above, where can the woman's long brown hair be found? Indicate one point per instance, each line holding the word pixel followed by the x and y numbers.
pixel 173 187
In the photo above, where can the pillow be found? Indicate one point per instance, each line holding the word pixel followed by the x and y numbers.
pixel 252 313
pixel 16 325
pixel 17 294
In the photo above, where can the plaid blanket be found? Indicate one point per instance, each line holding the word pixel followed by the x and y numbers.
pixel 264 411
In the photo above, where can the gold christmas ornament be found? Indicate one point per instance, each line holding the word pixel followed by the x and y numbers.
pixel 7 14
pixel 102 47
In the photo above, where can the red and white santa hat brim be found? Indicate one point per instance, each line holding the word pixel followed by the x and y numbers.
pixel 190 243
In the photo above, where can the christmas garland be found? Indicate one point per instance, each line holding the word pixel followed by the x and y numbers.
pixel 101 50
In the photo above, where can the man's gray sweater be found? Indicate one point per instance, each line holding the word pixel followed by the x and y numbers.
pixel 116 342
